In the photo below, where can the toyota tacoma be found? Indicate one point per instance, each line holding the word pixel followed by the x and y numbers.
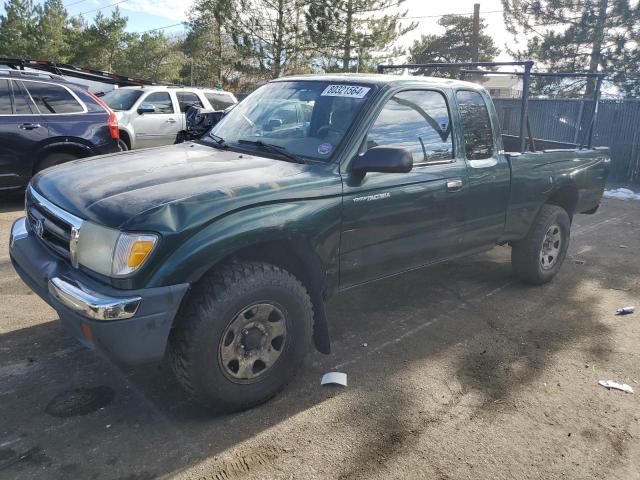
pixel 221 253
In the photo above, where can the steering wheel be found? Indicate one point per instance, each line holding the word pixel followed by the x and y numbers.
pixel 326 129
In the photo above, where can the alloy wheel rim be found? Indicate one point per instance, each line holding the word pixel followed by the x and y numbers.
pixel 252 342
pixel 550 247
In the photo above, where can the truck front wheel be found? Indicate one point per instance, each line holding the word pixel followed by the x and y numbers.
pixel 538 257
pixel 241 335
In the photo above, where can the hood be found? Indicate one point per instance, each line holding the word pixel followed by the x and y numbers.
pixel 116 190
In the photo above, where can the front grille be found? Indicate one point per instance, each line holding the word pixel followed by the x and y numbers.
pixel 50 223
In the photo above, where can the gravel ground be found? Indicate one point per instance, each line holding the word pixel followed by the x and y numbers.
pixel 454 372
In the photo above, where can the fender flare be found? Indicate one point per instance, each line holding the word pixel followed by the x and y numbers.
pixel 85 150
pixel 230 236
pixel 75 147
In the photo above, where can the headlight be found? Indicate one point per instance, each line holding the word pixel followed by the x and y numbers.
pixel 111 252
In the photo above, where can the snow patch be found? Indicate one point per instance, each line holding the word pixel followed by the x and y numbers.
pixel 622 194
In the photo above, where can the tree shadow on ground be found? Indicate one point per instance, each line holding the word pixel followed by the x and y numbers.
pixel 502 333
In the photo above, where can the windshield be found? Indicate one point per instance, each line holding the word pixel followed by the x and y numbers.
pixel 307 118
pixel 121 99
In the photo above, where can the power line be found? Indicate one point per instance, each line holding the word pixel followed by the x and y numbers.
pixel 74 3
pixel 101 8
pixel 160 28
pixel 446 14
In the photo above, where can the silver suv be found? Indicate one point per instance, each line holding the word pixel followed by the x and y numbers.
pixel 153 116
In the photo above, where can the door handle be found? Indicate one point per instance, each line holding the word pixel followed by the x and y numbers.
pixel 171 120
pixel 454 185
pixel 29 126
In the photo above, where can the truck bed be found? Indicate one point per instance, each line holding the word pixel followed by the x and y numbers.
pixel 561 168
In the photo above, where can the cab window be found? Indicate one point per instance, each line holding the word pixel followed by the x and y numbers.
pixel 161 102
pixel 476 125
pixel 418 121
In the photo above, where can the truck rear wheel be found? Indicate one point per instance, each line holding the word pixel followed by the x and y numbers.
pixel 241 336
pixel 537 258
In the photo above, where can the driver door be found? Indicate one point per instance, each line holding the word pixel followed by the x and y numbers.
pixel 393 222
pixel 161 126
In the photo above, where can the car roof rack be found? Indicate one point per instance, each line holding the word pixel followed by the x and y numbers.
pixel 527 65
pixel 30 73
pixel 64 69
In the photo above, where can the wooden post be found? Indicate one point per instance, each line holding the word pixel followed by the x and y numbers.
pixel 475 40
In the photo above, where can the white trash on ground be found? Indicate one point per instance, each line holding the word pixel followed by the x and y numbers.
pixel 336 378
pixel 609 384
pixel 621 194
pixel 625 310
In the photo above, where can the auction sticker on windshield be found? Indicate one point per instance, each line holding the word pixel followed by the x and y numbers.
pixel 351 91
pixel 325 148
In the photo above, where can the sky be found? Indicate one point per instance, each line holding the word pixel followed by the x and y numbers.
pixel 151 14
pixel 490 12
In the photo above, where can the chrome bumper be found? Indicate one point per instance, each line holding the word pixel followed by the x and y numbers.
pixel 92 304
pixel 18 231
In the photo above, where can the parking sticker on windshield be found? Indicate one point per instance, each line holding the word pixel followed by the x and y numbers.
pixel 325 148
pixel 351 91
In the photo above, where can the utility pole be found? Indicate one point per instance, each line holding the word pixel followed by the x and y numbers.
pixel 475 40
pixel 596 49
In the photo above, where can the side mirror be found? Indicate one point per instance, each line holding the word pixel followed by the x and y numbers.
pixel 146 108
pixel 384 160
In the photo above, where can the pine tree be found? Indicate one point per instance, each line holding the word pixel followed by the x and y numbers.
pixel 102 44
pixel 208 43
pixel 154 57
pixel 454 45
pixel 17 29
pixel 52 33
pixel 581 35
pixel 344 30
pixel 268 36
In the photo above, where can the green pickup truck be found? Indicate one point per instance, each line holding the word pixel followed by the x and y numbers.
pixel 221 253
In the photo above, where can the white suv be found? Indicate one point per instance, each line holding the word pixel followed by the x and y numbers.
pixel 153 116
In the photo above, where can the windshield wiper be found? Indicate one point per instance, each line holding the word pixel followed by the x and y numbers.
pixel 292 157
pixel 219 140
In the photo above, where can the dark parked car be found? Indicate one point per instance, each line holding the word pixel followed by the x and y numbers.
pixel 46 120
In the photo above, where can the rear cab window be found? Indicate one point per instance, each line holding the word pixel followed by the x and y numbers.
pixel 53 99
pixel 417 121
pixel 476 125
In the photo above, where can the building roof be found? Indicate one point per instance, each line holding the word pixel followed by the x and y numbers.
pixel 502 81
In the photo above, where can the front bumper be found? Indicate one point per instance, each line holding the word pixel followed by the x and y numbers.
pixel 128 326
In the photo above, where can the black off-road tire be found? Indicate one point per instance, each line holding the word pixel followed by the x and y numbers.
pixel 55 159
pixel 210 307
pixel 526 253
